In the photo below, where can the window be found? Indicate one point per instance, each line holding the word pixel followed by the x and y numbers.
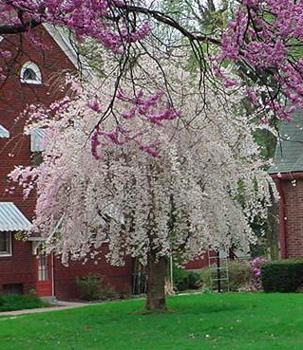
pixel 5 244
pixel 42 267
pixel 16 288
pixel 30 73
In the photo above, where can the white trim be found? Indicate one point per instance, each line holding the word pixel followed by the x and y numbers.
pixel 35 246
pixel 35 69
pixel 65 44
pixel 36 239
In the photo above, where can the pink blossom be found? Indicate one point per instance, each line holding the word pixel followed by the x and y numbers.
pixel 94 105
pixel 255 266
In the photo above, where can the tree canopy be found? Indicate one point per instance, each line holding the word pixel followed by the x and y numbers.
pixel 154 183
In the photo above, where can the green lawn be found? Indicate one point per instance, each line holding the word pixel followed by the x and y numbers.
pixel 207 321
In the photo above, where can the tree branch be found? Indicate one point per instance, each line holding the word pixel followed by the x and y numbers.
pixel 163 18
pixel 18 28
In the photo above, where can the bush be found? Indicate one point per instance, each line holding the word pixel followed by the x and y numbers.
pixel 194 280
pixel 239 273
pixel 184 280
pixel 284 276
pixel 92 287
pixel 20 302
pixel 255 266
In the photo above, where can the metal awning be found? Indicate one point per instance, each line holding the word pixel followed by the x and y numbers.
pixel 37 136
pixel 12 219
pixel 4 133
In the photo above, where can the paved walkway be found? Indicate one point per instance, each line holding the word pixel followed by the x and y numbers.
pixel 61 305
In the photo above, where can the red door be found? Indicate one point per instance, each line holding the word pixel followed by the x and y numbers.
pixel 44 281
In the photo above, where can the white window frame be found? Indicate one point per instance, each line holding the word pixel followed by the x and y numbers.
pixel 7 252
pixel 35 68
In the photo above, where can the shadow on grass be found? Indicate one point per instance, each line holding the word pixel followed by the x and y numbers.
pixel 195 309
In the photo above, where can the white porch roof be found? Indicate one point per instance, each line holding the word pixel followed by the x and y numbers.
pixel 12 219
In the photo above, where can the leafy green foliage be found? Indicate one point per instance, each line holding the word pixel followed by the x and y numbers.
pixel 92 287
pixel 20 302
pixel 284 276
pixel 184 280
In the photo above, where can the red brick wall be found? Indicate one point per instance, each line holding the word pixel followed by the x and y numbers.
pixel 19 268
pixel 293 194
pixel 202 262
pixel 119 278
pixel 14 98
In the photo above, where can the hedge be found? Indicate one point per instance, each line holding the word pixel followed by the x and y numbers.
pixel 284 276
pixel 184 280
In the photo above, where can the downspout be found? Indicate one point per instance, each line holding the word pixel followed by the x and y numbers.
pixel 53 277
pixel 282 220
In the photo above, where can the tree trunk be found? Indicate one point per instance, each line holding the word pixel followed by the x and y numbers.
pixel 156 273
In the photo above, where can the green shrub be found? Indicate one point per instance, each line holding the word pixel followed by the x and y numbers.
pixel 92 287
pixel 194 280
pixel 284 276
pixel 20 302
pixel 239 276
pixel 184 280
pixel 180 279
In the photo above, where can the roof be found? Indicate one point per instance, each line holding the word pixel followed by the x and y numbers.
pixel 63 42
pixel 4 133
pixel 289 150
pixel 67 45
pixel 12 219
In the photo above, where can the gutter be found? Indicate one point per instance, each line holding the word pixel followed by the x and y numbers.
pixel 53 276
pixel 294 175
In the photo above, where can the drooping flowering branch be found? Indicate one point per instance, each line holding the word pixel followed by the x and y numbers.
pixel 102 20
pixel 138 185
pixel 264 39
pixel 142 112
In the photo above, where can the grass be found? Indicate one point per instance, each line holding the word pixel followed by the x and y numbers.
pixel 207 321
pixel 20 302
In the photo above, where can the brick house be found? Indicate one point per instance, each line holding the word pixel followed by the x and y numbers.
pixel 287 172
pixel 31 76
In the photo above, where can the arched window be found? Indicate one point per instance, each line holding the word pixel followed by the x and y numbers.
pixel 30 73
